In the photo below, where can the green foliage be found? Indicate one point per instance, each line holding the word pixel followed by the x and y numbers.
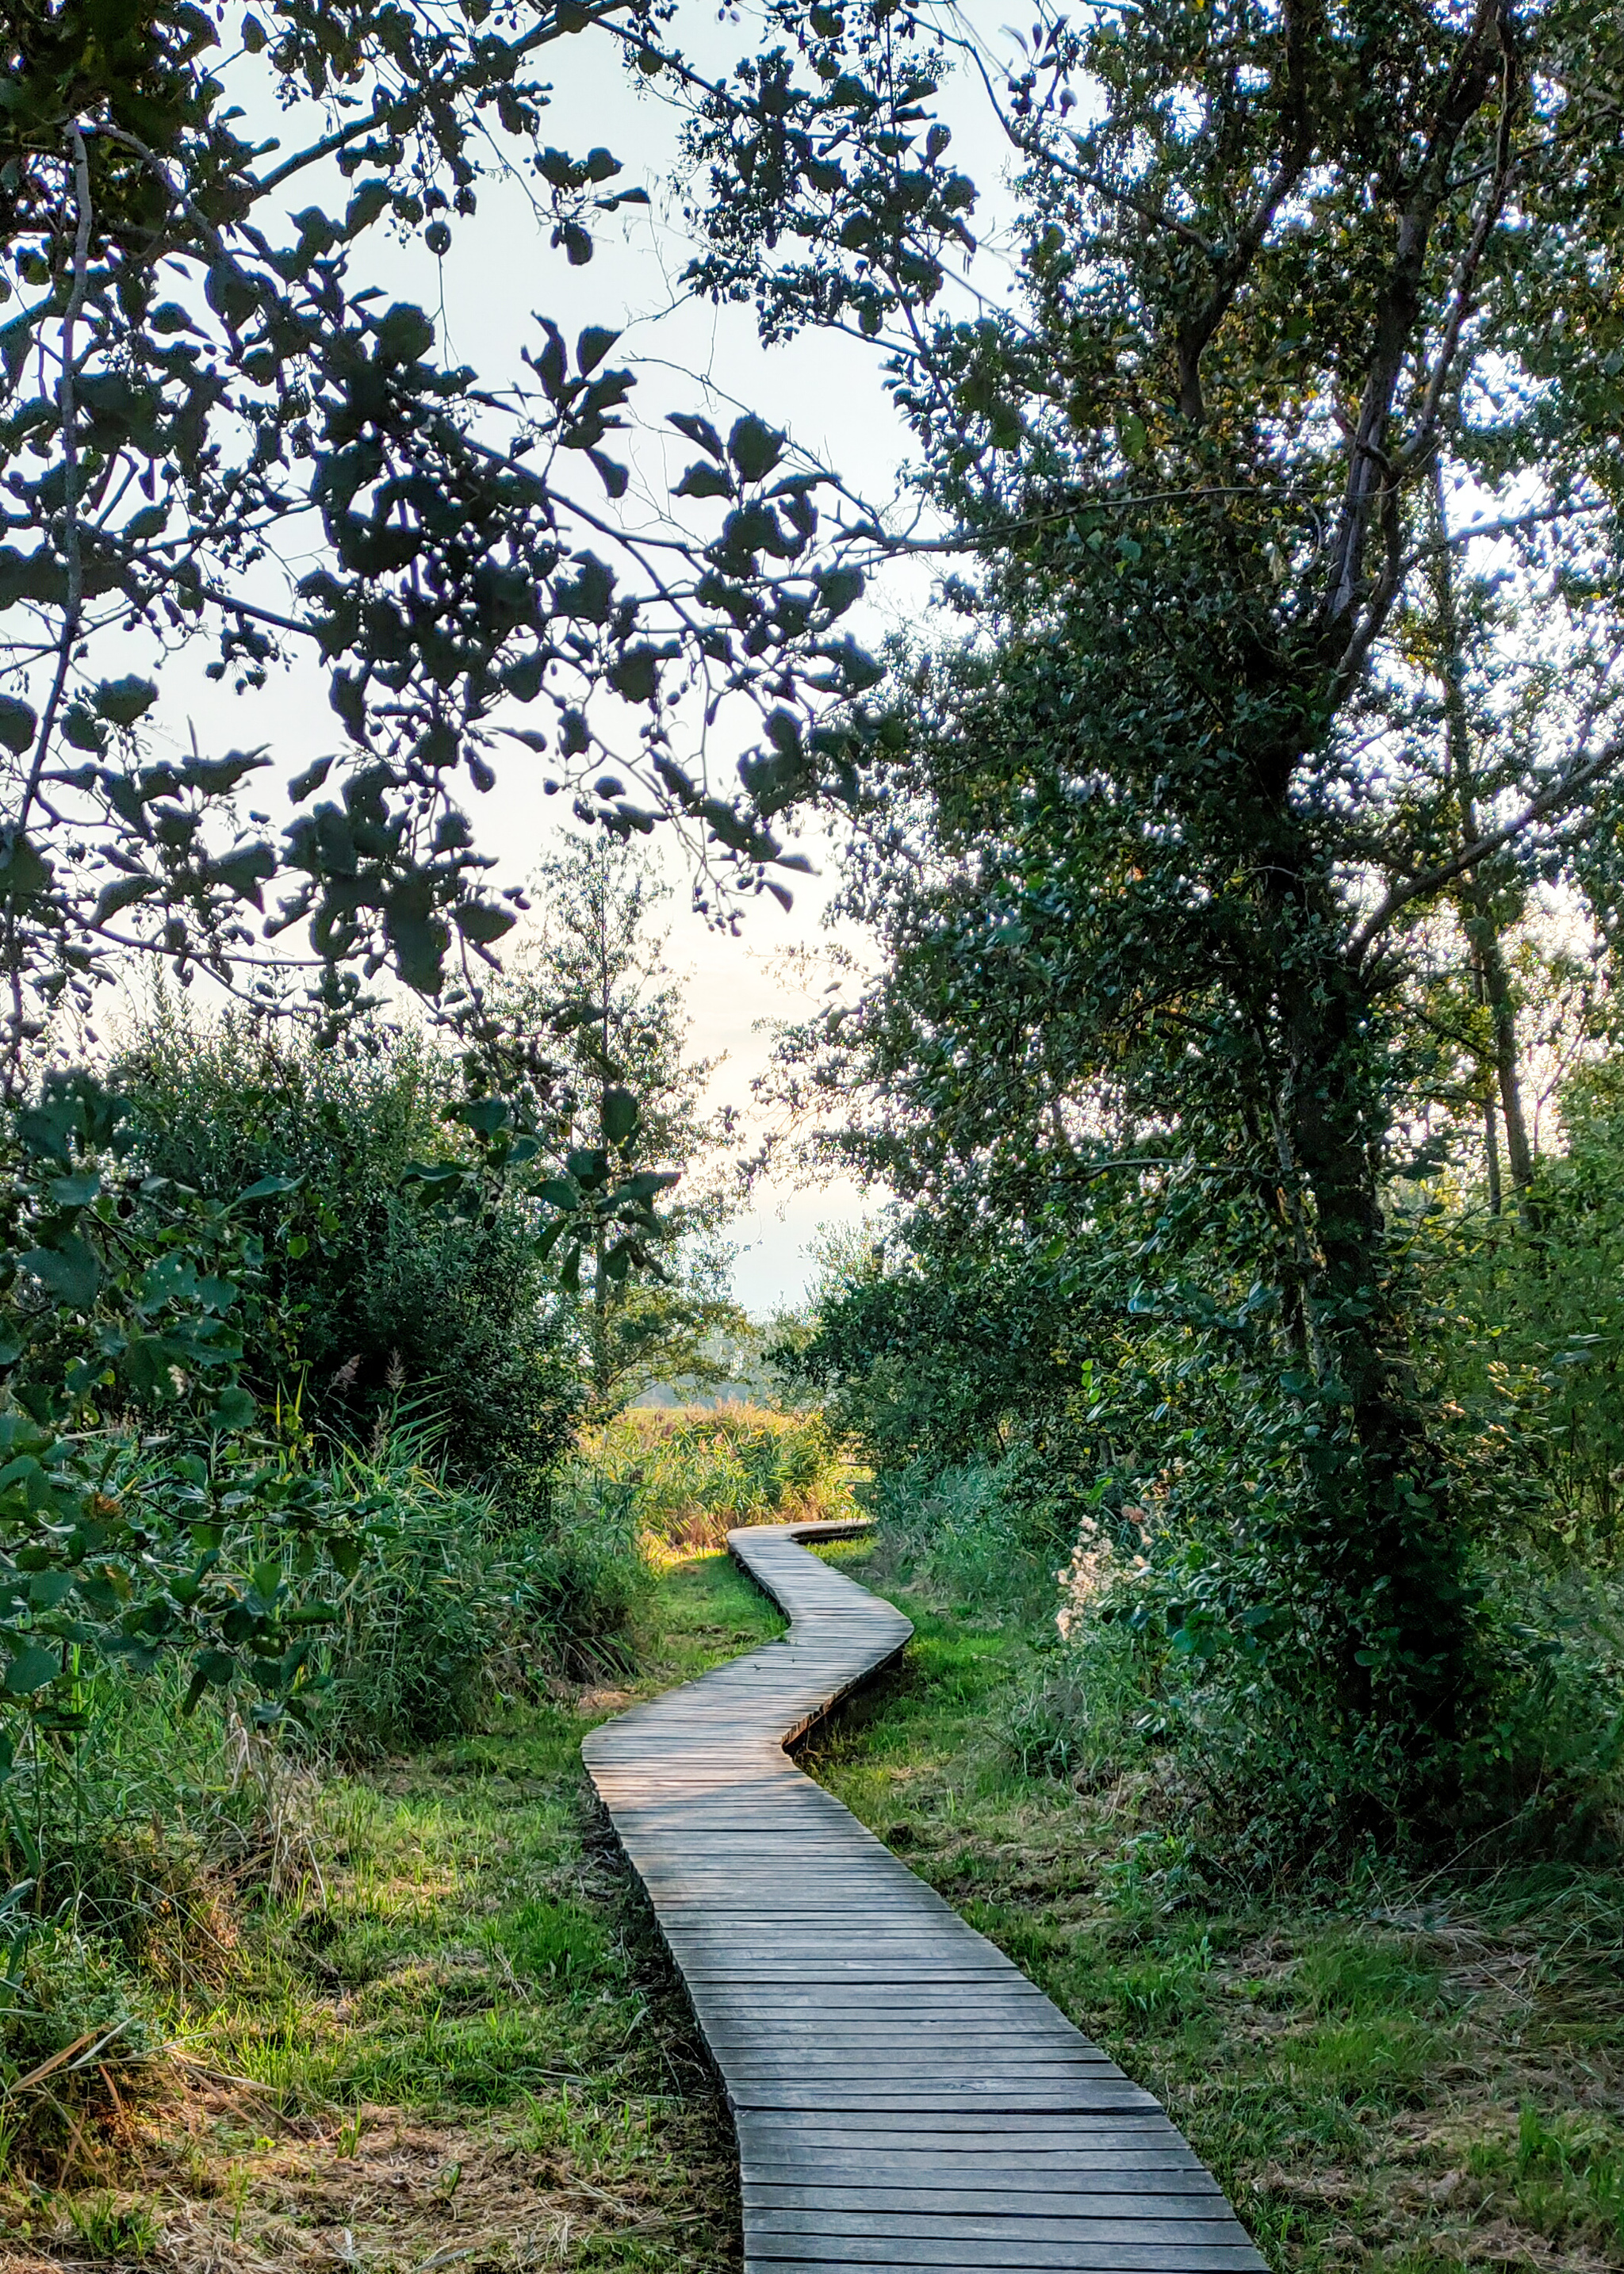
pixel 594 981
pixel 160 449
pixel 686 1476
pixel 1350 2055
pixel 1163 839
pixel 1528 1337
pixel 992 1534
pixel 373 1294
pixel 460 1608
pixel 140 1515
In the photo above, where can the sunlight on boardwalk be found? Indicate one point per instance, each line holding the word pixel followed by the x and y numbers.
pixel 904 2097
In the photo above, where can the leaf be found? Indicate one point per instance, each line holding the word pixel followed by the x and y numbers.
pixel 406 335
pixel 620 1115
pixel 81 729
pixel 234 1409
pixel 703 481
pixel 69 1271
pixel 635 675
pixel 558 1194
pixel 48 1130
pixel 30 1669
pixel 146 1367
pixel 18 724
pixel 523 680
pixel 838 588
pixel 754 448
pixel 699 431
pixel 593 344
pixel 436 1176
pixel 482 921
pixel 485 1115
pixel 25 872
pixel 419 944
pixel 269 1188
pixel 646 1183
pixel 614 476
pixel 311 778
pixel 122 893
pixel 125 700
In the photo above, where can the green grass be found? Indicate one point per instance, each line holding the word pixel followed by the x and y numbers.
pixel 1383 2077
pixel 452 2031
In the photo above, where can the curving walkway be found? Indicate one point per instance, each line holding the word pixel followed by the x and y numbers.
pixel 904 2097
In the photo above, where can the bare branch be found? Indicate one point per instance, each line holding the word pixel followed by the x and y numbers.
pixel 1463 284
pixel 73 610
pixel 1370 470
pixel 1561 794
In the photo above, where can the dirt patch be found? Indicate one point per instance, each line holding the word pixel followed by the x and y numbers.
pixel 203 2193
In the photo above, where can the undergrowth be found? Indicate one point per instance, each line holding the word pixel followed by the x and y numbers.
pixel 686 1475
pixel 414 2012
pixel 1385 2071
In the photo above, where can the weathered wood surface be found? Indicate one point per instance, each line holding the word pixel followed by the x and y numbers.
pixel 903 2096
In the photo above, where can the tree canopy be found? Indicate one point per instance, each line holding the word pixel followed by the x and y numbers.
pixel 1283 483
pixel 220 431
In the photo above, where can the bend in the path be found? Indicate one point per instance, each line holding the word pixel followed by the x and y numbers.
pixel 904 2097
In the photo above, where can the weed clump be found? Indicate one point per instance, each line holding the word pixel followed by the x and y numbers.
pixel 460 1610
pixel 685 1476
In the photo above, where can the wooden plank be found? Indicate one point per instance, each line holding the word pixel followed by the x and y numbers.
pixel 872 2161
pixel 1197 2202
pixel 904 2097
pixel 1008 2223
pixel 979 2257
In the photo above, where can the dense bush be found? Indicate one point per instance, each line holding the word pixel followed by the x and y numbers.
pixel 987 1534
pixel 373 1297
pixel 685 1475
pixel 1041 1406
pixel 1528 1326
pixel 133 1830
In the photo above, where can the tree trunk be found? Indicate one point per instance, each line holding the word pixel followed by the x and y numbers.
pixel 1473 899
pixel 1502 1007
pixel 1386 1551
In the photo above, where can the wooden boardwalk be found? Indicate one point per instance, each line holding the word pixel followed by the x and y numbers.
pixel 904 2097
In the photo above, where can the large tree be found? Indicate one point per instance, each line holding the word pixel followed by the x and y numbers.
pixel 1286 277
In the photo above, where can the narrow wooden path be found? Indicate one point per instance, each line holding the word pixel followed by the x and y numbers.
pixel 904 2097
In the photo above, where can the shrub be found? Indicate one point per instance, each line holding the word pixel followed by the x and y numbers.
pixel 987 1532
pixel 77 2018
pixel 370 1295
pixel 686 1475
